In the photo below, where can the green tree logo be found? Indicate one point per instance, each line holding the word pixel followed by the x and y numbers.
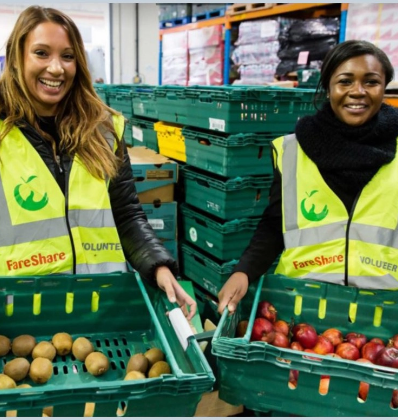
pixel 29 203
pixel 311 215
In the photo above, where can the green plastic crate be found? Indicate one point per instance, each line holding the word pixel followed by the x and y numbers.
pixel 165 103
pixel 163 219
pixel 263 369
pixel 115 312
pixel 128 134
pixel 248 109
pixel 226 198
pixel 144 133
pixel 229 155
pixel 120 98
pixel 225 240
pixel 102 91
pixel 205 271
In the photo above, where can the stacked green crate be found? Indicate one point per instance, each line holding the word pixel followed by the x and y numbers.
pixel 228 172
pixel 120 99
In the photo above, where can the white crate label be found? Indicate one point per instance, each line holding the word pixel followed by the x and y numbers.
pixel 217 124
pixel 138 133
pixel 193 234
pixel 209 244
pixel 213 206
pixel 181 326
pixel 157 224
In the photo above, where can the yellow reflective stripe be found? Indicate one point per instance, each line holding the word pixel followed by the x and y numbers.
pixel 91 218
pixel 289 184
pixel 109 267
pixel 316 235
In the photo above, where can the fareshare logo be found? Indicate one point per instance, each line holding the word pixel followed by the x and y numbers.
pixel 25 196
pixel 312 215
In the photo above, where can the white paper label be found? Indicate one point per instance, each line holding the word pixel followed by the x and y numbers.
pixel 137 133
pixel 181 326
pixel 193 234
pixel 157 224
pixel 217 124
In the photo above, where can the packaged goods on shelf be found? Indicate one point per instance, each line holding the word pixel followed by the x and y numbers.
pixel 376 23
pixel 263 30
pixel 175 42
pixel 205 37
pixel 257 74
pixel 258 53
pixel 302 30
pixel 167 11
pixel 175 69
pixel 206 66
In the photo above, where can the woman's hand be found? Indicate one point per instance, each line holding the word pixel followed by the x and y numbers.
pixel 175 293
pixel 232 292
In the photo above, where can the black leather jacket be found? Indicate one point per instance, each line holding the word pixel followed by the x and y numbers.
pixel 142 249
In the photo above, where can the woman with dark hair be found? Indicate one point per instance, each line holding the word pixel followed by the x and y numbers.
pixel 67 197
pixel 333 210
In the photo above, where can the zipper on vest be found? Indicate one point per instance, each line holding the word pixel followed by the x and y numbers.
pixel 66 178
pixel 347 234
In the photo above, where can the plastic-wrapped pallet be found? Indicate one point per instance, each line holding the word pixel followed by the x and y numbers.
pixel 175 58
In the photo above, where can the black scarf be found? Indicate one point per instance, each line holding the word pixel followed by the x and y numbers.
pixel 347 156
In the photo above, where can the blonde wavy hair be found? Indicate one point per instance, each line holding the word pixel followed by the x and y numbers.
pixel 81 117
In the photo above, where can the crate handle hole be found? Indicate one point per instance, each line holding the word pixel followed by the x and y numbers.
pixel 293 379
pixel 9 307
pixel 69 303
pixel 324 384
pixel 260 152
pixel 128 352
pixel 36 304
pixel 95 301
pixel 363 392
pixel 378 315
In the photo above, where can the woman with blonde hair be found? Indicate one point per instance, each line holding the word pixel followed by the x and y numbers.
pixel 67 197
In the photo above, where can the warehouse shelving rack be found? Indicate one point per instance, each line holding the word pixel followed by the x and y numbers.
pixel 310 10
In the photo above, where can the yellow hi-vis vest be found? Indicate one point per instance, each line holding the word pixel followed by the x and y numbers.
pixel 43 231
pixel 324 242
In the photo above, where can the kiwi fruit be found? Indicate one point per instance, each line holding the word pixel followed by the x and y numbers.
pixel 5 345
pixel 137 362
pixel 133 375
pixel 44 349
pixel 24 386
pixel 48 411
pixel 23 345
pixel 41 370
pixel 6 382
pixel 81 348
pixel 63 343
pixel 158 369
pixel 154 355
pixel 96 363
pixel 17 369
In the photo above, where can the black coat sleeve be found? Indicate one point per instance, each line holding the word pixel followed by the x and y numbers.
pixel 267 241
pixel 143 250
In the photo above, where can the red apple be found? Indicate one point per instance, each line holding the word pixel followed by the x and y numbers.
pixel 305 334
pixel 262 330
pixel 311 358
pixel 295 345
pixel 393 341
pixel 266 310
pixel 388 357
pixel 348 351
pixel 377 340
pixel 371 350
pixel 280 340
pixel 323 345
pixel 358 339
pixel 334 335
pixel 281 326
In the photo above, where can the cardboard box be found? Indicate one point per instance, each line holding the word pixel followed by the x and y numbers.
pixel 154 175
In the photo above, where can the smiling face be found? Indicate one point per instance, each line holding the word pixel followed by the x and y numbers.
pixel 49 66
pixel 356 89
